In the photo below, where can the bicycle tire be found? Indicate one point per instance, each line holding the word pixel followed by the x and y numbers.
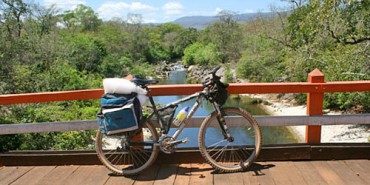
pixel 230 156
pixel 128 159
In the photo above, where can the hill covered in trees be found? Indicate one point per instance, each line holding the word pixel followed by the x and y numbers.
pixel 45 50
pixel 201 22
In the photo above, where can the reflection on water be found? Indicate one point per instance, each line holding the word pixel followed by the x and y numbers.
pixel 270 135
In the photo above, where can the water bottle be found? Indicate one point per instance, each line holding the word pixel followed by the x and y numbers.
pixel 181 116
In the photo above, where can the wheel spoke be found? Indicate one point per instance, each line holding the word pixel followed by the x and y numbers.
pixel 221 151
pixel 215 145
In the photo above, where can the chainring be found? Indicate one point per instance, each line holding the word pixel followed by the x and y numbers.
pixel 165 145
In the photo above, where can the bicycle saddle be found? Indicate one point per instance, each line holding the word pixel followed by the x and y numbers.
pixel 138 80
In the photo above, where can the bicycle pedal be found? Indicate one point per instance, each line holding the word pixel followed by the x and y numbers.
pixel 179 141
pixel 185 140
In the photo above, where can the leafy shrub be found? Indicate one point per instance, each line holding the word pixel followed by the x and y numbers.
pixel 201 54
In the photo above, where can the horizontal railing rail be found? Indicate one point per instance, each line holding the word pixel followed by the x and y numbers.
pixel 186 89
pixel 195 122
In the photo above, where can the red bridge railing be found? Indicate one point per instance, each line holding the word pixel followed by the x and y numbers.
pixel 315 88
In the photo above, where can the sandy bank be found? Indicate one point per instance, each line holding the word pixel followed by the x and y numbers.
pixel 329 134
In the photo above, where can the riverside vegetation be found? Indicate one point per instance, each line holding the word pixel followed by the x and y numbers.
pixel 46 50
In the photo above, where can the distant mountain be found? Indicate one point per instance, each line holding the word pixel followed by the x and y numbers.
pixel 201 22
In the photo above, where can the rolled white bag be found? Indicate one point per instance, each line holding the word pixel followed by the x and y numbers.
pixel 124 86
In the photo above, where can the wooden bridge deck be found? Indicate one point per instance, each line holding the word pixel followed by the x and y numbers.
pixel 288 172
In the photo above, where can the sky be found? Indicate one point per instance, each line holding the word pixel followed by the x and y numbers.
pixel 160 11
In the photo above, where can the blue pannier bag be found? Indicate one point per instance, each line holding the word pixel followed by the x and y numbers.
pixel 119 113
pixel 109 101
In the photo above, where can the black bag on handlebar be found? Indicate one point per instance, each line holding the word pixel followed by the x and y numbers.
pixel 219 93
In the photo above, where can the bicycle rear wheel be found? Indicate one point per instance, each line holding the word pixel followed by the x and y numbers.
pixel 235 154
pixel 128 153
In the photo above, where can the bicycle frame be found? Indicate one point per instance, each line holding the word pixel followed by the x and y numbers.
pixel 199 95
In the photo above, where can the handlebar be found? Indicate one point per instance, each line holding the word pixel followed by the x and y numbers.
pixel 214 79
pixel 214 70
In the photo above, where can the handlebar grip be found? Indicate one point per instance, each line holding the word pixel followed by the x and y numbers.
pixel 213 72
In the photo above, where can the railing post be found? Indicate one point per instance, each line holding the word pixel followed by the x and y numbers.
pixel 314 107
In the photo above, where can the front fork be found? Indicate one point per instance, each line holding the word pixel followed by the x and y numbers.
pixel 222 122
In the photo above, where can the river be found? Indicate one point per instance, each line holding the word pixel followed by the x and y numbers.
pixel 270 135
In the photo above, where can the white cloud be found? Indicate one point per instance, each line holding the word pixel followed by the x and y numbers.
pixel 140 6
pixel 109 10
pixel 218 10
pixel 205 13
pixel 149 21
pixel 172 8
pixel 249 11
pixel 64 4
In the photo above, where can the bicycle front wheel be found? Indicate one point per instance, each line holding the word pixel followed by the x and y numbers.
pixel 230 155
pixel 130 152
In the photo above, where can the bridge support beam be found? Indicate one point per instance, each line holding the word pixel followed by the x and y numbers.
pixel 314 106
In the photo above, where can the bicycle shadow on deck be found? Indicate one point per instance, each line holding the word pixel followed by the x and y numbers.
pixel 193 170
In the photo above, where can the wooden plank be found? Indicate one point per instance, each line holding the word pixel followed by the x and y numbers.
pixel 179 89
pixel 166 174
pixel 228 178
pixel 34 175
pixel 119 180
pixel 258 173
pixel 57 175
pixel 88 175
pixel 310 175
pixel 201 174
pixel 340 151
pixel 327 173
pixel 48 127
pixel 148 176
pixel 300 151
pixel 195 122
pixel 11 174
pixel 315 102
pixel 348 176
pixel 285 152
pixel 99 175
pixel 290 172
pixel 183 174
pixel 361 168
pixel 249 177
pixel 7 99
pixel 280 175
pixel 57 158
pixel 346 86
pixel 298 87
pixel 263 173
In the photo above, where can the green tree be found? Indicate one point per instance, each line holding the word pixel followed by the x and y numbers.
pixel 46 18
pixel 189 53
pixel 185 38
pixel 226 36
pixel 85 52
pixel 345 21
pixel 82 17
pixel 201 54
pixel 262 60
pixel 12 12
